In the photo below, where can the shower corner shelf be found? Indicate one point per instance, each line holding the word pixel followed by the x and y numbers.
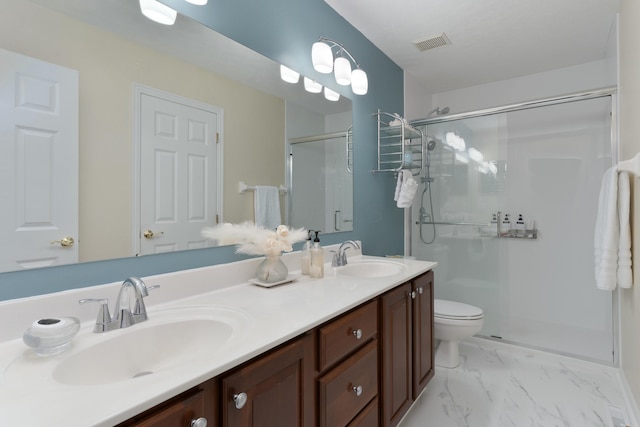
pixel 399 147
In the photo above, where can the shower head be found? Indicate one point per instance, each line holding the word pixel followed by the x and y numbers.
pixel 431 144
pixel 438 111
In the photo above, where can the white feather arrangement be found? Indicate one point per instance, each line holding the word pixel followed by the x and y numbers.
pixel 253 240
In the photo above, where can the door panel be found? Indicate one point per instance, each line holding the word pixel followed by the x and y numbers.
pixel 38 162
pixel 178 173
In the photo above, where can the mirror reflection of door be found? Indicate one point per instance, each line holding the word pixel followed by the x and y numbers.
pixel 38 163
pixel 179 174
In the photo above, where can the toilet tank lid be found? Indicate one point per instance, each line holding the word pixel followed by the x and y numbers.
pixel 453 309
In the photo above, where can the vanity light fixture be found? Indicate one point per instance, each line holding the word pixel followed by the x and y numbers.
pixel 158 12
pixel 312 85
pixel 475 155
pixel 331 95
pixel 288 75
pixel 323 62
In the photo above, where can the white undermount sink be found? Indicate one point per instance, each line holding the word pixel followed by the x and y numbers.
pixel 169 339
pixel 370 268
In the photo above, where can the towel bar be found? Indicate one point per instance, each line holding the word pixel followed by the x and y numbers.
pixel 243 188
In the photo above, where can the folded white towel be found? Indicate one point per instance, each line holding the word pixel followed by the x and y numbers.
pixel 612 239
pixel 405 189
pixel 266 204
pixel 625 276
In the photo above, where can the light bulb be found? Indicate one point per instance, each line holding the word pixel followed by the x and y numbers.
pixel 331 95
pixel 158 12
pixel 475 155
pixel 342 70
pixel 359 82
pixel 288 75
pixel 197 2
pixel 312 86
pixel 322 57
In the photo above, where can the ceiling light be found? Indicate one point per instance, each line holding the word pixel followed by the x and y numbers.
pixel 331 95
pixel 158 12
pixel 322 58
pixel 288 75
pixel 312 86
pixel 342 71
pixel 475 155
pixel 455 141
pixel 197 2
pixel 359 82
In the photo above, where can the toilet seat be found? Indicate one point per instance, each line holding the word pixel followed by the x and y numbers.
pixel 452 310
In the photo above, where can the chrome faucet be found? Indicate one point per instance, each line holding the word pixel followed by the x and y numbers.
pixel 340 257
pixel 130 308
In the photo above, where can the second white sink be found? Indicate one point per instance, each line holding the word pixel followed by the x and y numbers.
pixel 371 268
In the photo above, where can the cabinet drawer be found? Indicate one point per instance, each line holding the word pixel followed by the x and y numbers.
pixel 368 417
pixel 344 335
pixel 179 413
pixel 338 398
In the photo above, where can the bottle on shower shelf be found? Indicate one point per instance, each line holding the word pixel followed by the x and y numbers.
pixel 505 227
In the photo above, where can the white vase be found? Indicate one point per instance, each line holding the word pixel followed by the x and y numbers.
pixel 272 269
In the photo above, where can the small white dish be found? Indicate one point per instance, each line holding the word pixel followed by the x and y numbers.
pixel 290 278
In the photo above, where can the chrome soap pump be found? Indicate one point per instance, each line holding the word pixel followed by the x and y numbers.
pixel 316 268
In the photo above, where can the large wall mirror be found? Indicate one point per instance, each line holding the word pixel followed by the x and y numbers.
pixel 112 47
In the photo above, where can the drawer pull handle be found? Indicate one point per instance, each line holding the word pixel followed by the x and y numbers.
pixel 357 390
pixel 420 290
pixel 413 294
pixel 240 400
pixel 200 422
pixel 357 333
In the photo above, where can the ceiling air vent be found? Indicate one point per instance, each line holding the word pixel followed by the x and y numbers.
pixel 432 42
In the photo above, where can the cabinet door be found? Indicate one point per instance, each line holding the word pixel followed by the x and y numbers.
pixel 182 410
pixel 396 354
pixel 278 388
pixel 422 332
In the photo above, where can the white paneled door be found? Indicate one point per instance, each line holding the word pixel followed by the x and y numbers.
pixel 180 184
pixel 38 163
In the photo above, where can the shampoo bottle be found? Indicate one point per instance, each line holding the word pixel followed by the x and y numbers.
pixel 305 254
pixel 316 269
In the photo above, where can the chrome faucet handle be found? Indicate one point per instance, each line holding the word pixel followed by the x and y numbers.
pixel 335 260
pixel 341 256
pixel 104 317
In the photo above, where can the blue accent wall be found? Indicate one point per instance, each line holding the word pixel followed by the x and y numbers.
pixel 284 31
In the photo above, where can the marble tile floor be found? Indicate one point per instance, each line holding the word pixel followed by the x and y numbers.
pixel 501 385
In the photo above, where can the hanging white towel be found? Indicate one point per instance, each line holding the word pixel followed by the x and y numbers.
pixel 405 189
pixel 625 276
pixel 612 240
pixel 267 207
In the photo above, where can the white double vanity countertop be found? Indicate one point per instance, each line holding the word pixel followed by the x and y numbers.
pixel 202 322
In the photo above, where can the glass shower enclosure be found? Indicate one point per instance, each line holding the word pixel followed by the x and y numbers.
pixel 534 169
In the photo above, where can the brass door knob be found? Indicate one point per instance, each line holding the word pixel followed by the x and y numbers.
pixel 149 234
pixel 65 242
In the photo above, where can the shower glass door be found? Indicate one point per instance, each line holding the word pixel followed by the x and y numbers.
pixel 544 164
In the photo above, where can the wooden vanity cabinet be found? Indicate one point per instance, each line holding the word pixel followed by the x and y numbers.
pixel 183 410
pixel 364 368
pixel 407 346
pixel 348 369
pixel 275 389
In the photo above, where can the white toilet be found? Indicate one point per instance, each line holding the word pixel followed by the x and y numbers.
pixel 453 322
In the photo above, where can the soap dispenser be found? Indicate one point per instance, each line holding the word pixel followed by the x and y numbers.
pixel 316 268
pixel 305 254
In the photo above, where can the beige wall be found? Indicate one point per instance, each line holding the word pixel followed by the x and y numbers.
pixel 629 146
pixel 108 67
